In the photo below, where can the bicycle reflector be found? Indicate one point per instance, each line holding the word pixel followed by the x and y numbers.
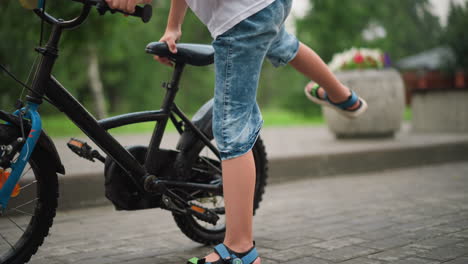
pixel 32 4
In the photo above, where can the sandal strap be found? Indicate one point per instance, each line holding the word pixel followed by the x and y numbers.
pixel 228 256
pixel 348 103
pixel 222 251
pixel 193 260
pixel 250 257
pixel 315 94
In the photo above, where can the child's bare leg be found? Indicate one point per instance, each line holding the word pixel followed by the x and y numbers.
pixel 311 65
pixel 239 189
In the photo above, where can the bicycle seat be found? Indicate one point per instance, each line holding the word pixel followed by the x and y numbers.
pixel 193 54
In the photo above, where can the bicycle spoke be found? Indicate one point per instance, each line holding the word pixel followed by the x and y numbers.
pixel 27 185
pixel 4 238
pixel 25 204
pixel 11 220
pixel 20 211
pixel 195 193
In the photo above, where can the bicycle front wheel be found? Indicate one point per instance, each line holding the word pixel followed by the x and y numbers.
pixel 29 215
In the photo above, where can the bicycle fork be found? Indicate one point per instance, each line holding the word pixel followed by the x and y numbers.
pixel 17 167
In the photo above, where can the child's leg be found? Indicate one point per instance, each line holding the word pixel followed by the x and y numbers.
pixel 239 55
pixel 311 65
pixel 239 189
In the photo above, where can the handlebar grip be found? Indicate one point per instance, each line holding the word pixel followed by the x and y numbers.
pixel 145 12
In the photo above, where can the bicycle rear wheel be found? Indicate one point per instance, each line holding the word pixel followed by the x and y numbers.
pixel 29 215
pixel 206 165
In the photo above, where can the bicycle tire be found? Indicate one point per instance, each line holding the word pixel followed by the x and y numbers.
pixel 197 233
pixel 45 209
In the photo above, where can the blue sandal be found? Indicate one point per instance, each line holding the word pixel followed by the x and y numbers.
pixel 341 107
pixel 228 256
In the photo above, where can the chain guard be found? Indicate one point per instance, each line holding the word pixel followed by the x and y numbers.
pixel 121 190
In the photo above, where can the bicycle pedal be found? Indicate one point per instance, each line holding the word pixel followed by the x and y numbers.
pixel 204 214
pixel 84 150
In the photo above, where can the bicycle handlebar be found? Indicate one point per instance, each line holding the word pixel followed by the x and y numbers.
pixel 145 12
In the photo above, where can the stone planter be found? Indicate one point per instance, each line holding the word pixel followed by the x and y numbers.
pixel 385 94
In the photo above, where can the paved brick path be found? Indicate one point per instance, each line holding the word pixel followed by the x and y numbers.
pixel 407 216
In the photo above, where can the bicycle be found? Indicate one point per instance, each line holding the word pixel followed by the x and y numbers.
pixel 186 180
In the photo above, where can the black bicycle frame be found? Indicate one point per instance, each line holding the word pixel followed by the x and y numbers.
pixel 45 84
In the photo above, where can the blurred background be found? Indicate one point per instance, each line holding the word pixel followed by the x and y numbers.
pixel 106 55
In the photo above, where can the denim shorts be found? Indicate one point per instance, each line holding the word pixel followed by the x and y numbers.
pixel 239 55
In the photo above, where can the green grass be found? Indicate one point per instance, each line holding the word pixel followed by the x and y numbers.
pixel 278 117
pixel 408 114
pixel 60 126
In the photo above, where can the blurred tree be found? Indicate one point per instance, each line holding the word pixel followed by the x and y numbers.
pixel 410 27
pixel 455 34
pixel 335 25
pixel 126 72
pixel 131 78
pixel 16 48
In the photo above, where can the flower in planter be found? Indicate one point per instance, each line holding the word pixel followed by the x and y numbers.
pixel 359 58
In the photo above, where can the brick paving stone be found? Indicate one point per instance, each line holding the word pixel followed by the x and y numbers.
pixel 463 243
pixel 45 261
pixel 416 261
pixel 338 243
pixel 268 261
pixel 311 260
pixel 288 243
pixel 426 233
pixel 436 242
pixel 363 260
pixel 462 260
pixel 293 253
pixel 147 260
pixel 401 216
pixel 380 234
pixel 372 224
pixel 397 254
pixel 153 256
pixel 388 243
pixel 89 256
pixel 462 234
pixel 445 253
pixel 345 253
pixel 461 224
pixel 100 260
pixel 265 260
pixel 446 229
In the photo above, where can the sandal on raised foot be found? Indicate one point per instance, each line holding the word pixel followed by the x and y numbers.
pixel 341 107
pixel 228 256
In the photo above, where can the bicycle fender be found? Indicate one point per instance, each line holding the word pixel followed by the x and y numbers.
pixel 44 141
pixel 203 121
pixel 189 143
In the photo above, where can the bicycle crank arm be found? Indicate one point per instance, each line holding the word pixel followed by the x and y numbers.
pixel 153 184
pixel 176 204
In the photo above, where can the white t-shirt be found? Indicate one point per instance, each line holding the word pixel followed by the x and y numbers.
pixel 221 15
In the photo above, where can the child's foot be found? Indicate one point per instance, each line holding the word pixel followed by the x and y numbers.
pixel 228 256
pixel 352 107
